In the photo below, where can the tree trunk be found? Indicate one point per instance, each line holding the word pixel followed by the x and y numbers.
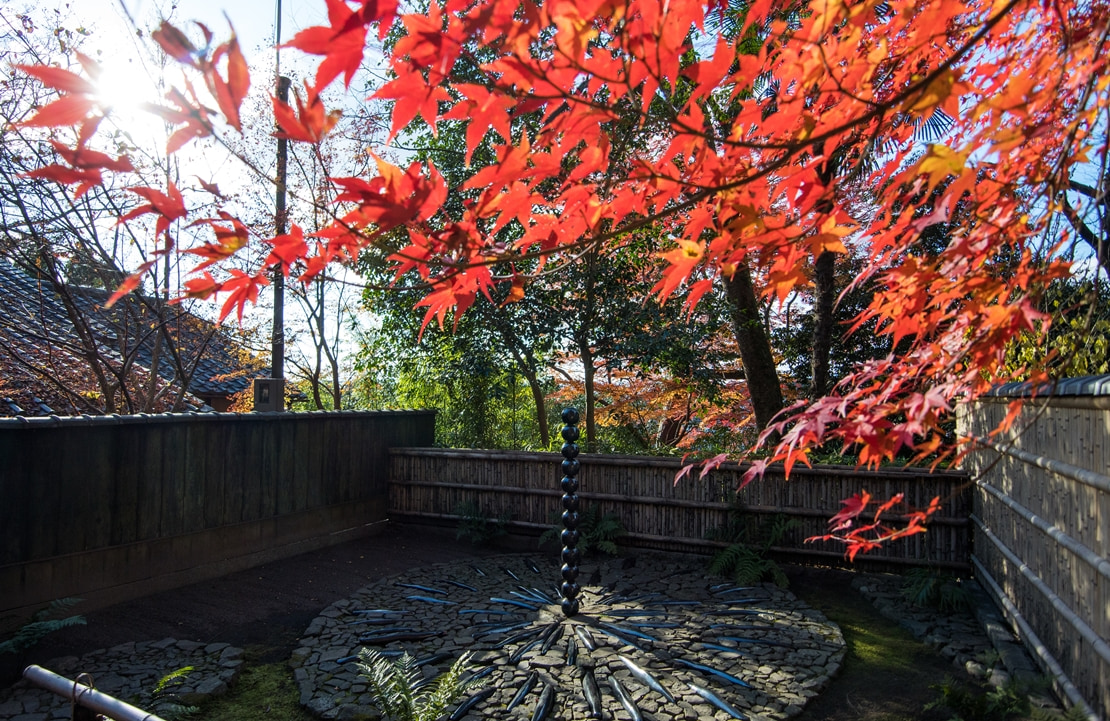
pixel 541 406
pixel 755 349
pixel 825 296
pixel 336 386
pixel 588 381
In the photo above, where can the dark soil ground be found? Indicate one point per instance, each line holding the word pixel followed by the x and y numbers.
pixel 886 674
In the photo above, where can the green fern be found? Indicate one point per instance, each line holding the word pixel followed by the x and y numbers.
pixel 175 678
pixel 162 699
pixel 478 527
pixel 596 532
pixel 401 693
pixel 929 587
pixel 750 540
pixel 43 622
pixel 974 704
pixel 745 565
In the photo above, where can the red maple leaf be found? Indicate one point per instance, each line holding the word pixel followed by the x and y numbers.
pixel 484 111
pixel 168 206
pixel 309 123
pixel 412 96
pixel 852 507
pixel 341 43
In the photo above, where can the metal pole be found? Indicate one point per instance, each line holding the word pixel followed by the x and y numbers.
pixel 277 351
pixel 86 696
pixel 277 363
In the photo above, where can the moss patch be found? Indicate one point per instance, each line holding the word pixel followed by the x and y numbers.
pixel 887 675
pixel 264 691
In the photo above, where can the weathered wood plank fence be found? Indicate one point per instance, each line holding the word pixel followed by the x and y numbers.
pixel 431 483
pixel 120 506
pixel 1042 528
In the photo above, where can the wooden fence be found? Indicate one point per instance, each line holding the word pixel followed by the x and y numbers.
pixel 1042 528
pixel 430 483
pixel 113 507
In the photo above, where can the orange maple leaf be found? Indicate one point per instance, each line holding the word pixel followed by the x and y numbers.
pixel 681 263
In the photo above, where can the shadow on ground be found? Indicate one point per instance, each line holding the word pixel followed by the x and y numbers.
pixel 886 674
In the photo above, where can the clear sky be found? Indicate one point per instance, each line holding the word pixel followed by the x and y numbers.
pixel 253 19
pixel 114 36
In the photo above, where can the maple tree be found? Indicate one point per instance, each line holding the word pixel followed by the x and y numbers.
pixel 750 143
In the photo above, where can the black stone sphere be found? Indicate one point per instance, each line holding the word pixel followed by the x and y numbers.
pixel 569 537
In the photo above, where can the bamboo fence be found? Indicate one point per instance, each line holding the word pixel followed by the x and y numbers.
pixel 1042 530
pixel 432 484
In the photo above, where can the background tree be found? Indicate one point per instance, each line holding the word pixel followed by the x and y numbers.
pixel 142 354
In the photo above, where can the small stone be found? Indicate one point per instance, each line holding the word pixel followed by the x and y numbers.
pixel 999 677
pixel 350 712
pixel 11 708
pixel 215 647
pixel 212 687
pixel 976 669
pixel 917 628
pixel 320 705
pixel 110 683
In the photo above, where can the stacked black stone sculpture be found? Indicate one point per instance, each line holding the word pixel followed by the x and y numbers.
pixel 570 556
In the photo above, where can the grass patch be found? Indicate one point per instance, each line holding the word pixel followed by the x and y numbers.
pixel 264 691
